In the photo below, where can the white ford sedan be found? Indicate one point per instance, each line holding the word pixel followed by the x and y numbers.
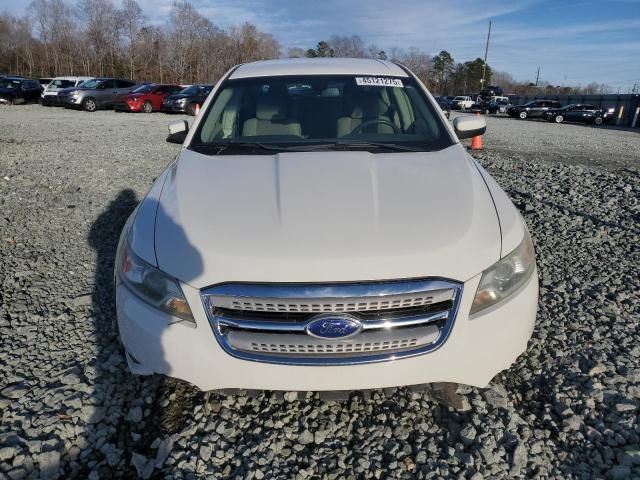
pixel 323 229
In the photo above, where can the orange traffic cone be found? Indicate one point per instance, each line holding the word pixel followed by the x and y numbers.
pixel 197 109
pixel 476 142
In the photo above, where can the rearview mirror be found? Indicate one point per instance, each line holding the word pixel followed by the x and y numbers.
pixel 178 131
pixel 469 126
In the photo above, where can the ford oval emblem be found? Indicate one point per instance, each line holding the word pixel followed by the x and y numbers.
pixel 333 326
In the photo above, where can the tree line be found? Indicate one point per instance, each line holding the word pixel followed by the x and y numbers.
pixel 98 38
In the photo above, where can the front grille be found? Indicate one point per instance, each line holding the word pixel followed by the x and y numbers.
pixel 271 322
pixel 324 305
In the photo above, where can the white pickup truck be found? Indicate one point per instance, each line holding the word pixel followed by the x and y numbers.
pixel 462 102
pixel 323 228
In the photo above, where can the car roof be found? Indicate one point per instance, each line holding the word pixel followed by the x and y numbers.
pixel 73 78
pixel 317 66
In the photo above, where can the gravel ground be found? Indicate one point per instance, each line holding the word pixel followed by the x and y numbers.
pixel 569 408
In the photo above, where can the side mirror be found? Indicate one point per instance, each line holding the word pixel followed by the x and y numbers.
pixel 469 126
pixel 178 131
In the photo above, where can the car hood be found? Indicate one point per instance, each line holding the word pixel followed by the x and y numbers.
pixel 325 217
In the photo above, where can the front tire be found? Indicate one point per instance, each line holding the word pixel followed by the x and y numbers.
pixel 89 105
pixel 147 107
pixel 597 121
pixel 522 115
pixel 559 119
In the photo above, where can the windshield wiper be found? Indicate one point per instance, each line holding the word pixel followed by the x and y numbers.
pixel 390 146
pixel 219 147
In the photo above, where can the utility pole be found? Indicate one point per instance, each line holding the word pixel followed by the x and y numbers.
pixel 537 76
pixel 486 52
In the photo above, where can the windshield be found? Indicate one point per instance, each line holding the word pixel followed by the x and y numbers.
pixel 8 83
pixel 59 84
pixel 195 90
pixel 91 83
pixel 322 111
pixel 144 88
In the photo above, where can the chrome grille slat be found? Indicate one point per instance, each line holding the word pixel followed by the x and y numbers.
pixel 368 342
pixel 268 322
pixel 331 304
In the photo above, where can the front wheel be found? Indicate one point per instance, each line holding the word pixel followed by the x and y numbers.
pixel 597 121
pixel 522 115
pixel 147 107
pixel 559 119
pixel 89 105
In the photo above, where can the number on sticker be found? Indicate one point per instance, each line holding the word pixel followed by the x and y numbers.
pixel 379 81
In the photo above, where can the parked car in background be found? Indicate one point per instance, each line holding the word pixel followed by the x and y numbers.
pixel 309 237
pixel 578 112
pixel 49 96
pixel 145 98
pixel 533 109
pixel 445 105
pixel 496 105
pixel 462 102
pixel 186 100
pixel 96 93
pixel 15 90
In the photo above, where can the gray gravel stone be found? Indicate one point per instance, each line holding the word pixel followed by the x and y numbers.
pixel 305 437
pixel 619 472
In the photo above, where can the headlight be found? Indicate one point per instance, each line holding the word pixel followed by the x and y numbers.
pixel 181 101
pixel 506 276
pixel 151 285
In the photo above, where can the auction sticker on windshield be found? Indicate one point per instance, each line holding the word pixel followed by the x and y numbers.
pixel 379 81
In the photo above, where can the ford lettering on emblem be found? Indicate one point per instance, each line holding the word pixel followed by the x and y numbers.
pixel 333 326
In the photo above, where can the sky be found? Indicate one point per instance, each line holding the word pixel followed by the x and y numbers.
pixel 574 42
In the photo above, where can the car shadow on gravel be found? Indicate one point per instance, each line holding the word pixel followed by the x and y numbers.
pixel 129 412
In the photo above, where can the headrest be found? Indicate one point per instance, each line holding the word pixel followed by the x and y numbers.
pixel 269 107
pixel 366 105
pixel 330 92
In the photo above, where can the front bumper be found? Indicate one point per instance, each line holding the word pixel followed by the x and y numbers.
pixel 48 99
pixel 71 101
pixel 476 350
pixel 127 107
pixel 173 108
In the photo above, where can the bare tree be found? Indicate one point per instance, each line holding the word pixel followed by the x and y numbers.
pixel 133 20
pixel 345 46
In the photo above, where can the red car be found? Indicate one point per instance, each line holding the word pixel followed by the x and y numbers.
pixel 146 98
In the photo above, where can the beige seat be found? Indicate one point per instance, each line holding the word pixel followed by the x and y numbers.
pixel 363 108
pixel 271 119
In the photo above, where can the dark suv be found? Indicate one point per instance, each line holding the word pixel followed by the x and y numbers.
pixel 97 93
pixel 534 109
pixel 19 90
pixel 186 100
